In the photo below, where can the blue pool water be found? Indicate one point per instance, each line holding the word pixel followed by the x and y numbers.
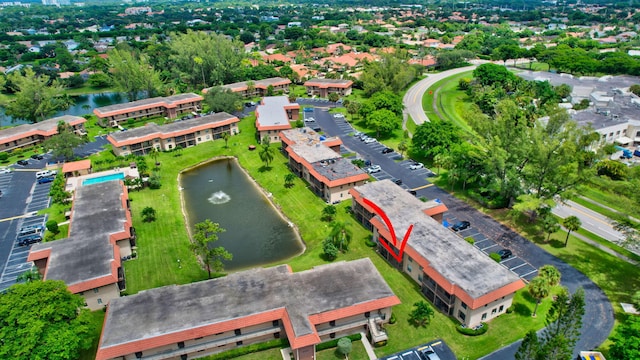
pixel 101 179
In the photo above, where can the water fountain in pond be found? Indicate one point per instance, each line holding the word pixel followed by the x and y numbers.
pixel 219 197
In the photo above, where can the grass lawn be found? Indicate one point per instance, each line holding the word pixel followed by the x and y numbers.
pixel 357 352
pixel 451 102
pixel 620 203
pixel 95 324
pixel 163 242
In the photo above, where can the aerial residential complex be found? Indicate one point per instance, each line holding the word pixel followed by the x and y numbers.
pixel 32 134
pixel 273 115
pixel 458 278
pixel 169 107
pixel 182 133
pixel 324 87
pixel 252 306
pixel 257 87
pixel 100 235
pixel 317 160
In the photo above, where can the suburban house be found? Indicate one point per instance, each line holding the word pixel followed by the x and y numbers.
pixel 182 133
pixel 21 136
pixel 457 277
pixel 273 115
pixel 317 160
pixel 257 87
pixel 248 307
pixel 169 107
pixel 324 87
pixel 100 236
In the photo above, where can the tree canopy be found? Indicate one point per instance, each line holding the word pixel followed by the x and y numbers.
pixel 43 320
pixel 36 96
pixel 63 143
pixel 205 234
pixel 221 99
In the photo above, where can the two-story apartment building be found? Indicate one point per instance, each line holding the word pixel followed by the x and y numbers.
pixel 324 87
pixel 457 277
pixel 317 160
pixel 170 107
pixel 257 87
pixel 100 236
pixel 273 115
pixel 183 133
pixel 21 136
pixel 248 307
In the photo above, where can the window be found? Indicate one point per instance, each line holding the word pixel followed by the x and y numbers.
pixel 275 323
pixel 332 323
pixel 139 355
pixel 410 259
pixel 239 342
pixel 99 301
pixel 420 277
pixel 367 314
pixel 277 335
pixel 238 332
pixel 96 290
pixel 484 316
pixel 493 312
pixel 464 306
pixel 181 345
pixel 461 315
pixel 408 268
pixel 501 308
pixel 199 139
pixel 332 335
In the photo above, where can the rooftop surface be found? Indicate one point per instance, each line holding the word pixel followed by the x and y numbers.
pixel 458 261
pixel 157 101
pixel 264 83
pixel 314 152
pixel 329 81
pixel 174 127
pixel 87 253
pixel 306 135
pixel 272 112
pixel 176 308
pixel 339 168
pixel 43 126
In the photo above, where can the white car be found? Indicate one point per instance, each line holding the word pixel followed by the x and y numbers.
pixel 5 170
pixel 416 166
pixel 374 169
pixel 369 140
pixel 338 115
pixel 309 119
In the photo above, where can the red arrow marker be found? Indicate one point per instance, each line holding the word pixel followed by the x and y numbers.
pixel 386 220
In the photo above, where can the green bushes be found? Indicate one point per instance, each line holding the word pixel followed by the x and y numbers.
pixel 333 343
pixel 470 240
pixel 253 348
pixel 471 331
pixel 495 257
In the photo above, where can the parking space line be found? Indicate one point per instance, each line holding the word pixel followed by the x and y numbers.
pixel 529 273
pixel 483 249
pixel 422 187
pixel 519 266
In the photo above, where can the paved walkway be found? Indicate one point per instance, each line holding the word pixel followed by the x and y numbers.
pixel 368 347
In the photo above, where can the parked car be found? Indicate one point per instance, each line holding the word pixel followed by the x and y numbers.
pixel 309 119
pixel 505 254
pixel 369 140
pixel 357 134
pixel 387 150
pixel 23 162
pixel 37 157
pixel 374 169
pixel 45 180
pixel 29 239
pixel 43 173
pixel 416 166
pixel 339 115
pixel 427 353
pixel 397 181
pixel 460 225
pixel 30 229
pixel 5 170
pixel 413 192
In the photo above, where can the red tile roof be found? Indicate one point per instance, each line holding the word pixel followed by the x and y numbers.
pixel 76 166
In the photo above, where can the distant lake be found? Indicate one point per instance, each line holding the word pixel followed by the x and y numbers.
pixel 84 104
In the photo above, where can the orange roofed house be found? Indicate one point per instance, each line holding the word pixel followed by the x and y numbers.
pixel 248 307
pixel 183 133
pixel 170 107
pixel 324 87
pixel 100 235
pixel 32 134
pixel 317 160
pixel 257 87
pixel 273 115
pixel 444 265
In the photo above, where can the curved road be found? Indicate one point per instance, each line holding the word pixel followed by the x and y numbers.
pixel 598 319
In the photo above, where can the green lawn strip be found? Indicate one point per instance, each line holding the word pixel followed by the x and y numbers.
pixel 271 354
pixel 357 352
pixel 620 203
pixel 609 244
pixel 452 102
pixel 95 326
pixel 444 84
pixel 411 125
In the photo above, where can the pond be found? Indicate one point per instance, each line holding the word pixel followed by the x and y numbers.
pixel 256 233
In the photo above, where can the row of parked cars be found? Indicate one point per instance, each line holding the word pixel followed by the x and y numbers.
pixel 30 235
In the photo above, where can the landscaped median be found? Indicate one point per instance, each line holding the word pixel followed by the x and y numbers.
pixel 164 257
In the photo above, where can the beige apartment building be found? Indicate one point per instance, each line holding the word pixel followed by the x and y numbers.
pixel 169 107
pixel 22 136
pixel 273 115
pixel 253 306
pixel 324 87
pixel 257 87
pixel 183 133
pixel 317 160
pixel 100 236
pixel 458 278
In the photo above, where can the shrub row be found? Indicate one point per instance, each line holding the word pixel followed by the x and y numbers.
pixel 472 332
pixel 333 343
pixel 234 353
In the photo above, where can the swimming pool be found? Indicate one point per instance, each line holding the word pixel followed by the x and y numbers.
pixel 101 179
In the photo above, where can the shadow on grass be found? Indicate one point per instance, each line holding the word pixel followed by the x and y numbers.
pixel 556 244
pixel 264 168
pixel 521 309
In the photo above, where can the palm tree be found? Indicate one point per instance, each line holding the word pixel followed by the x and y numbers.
pixel 28 276
pixel 402 147
pixel 329 212
pixel 288 180
pixel 225 136
pixel 571 223
pixel 266 155
pixel 341 235
pixel 538 289
pixel 551 274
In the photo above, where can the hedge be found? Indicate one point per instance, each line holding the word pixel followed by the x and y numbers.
pixel 234 353
pixel 472 332
pixel 333 343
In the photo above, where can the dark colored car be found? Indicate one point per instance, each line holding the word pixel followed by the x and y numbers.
pixel 505 254
pixel 23 162
pixel 37 157
pixel 45 180
pixel 427 353
pixel 413 192
pixel 29 239
pixel 397 181
pixel 460 225
pixel 387 150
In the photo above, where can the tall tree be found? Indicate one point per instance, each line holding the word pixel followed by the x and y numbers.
pixel 36 96
pixel 43 320
pixel 564 322
pixel 550 225
pixel 132 73
pixel 205 234
pixel 421 314
pixel 383 121
pixel 571 223
pixel 538 289
pixel 266 152
pixel 63 143
pixel 626 341
pixel 551 274
pixel 225 136
pixel 529 348
pixel 341 235
pixel 220 99
pixel 434 137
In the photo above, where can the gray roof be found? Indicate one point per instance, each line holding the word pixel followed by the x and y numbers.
pixel 87 253
pixel 451 256
pixel 308 136
pixel 271 112
pixel 336 169
pixel 156 101
pixel 314 152
pixel 329 81
pixel 46 125
pixel 176 308
pixel 174 127
pixel 262 83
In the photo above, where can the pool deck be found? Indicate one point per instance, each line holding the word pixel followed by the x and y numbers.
pixel 76 181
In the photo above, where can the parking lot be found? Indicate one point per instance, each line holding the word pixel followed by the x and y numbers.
pixel 442 352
